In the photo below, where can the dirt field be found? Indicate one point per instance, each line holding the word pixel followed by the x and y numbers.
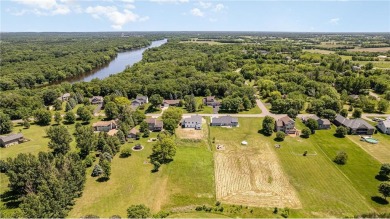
pixel 191 133
pixel 252 177
pixel 380 49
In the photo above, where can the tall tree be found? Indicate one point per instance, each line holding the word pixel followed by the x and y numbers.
pixel 85 140
pixel 156 100
pixel 5 124
pixel 57 117
pixel 111 110
pixel 42 117
pixel 384 189
pixel 163 151
pixel 268 125
pixel 84 114
pixel 59 139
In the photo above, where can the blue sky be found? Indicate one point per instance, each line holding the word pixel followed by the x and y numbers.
pixel 191 15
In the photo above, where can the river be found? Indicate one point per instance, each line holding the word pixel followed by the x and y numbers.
pixel 119 64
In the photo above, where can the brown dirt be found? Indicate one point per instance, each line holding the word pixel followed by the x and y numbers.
pixel 191 133
pixel 253 177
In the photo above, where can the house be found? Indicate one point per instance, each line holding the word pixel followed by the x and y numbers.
pixel 154 124
pixel 133 133
pixel 192 122
pixel 384 126
pixel 96 100
pixel 211 101
pixel 354 126
pixel 11 139
pixel 142 99
pixel 139 100
pixel 356 68
pixel 286 125
pixel 167 103
pixel 104 126
pixel 112 132
pixel 224 121
pixel 64 97
pixel 322 123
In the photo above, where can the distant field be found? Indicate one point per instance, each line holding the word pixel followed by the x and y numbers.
pixel 197 215
pixel 377 64
pixel 210 42
pixel 380 49
pixel 320 51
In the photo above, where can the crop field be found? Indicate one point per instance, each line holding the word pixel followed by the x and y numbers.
pixel 380 49
pixel 249 175
pixel 319 51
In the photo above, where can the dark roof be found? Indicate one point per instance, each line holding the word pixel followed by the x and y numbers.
pixel 353 123
pixel 141 97
pixel 11 137
pixel 224 119
pixel 196 118
pixel 285 120
pixel 155 122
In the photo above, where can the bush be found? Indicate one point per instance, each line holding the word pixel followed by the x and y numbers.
pixel 3 166
pixel 125 152
pixel 357 113
pixel 341 158
pixel 97 171
pixel 305 132
pixel 218 203
pixel 138 211
pixel 88 161
pixel 341 132
pixel 280 136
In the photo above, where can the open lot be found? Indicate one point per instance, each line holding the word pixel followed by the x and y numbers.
pixel 188 180
pixel 380 151
pixel 249 175
pixel 191 133
pixel 320 51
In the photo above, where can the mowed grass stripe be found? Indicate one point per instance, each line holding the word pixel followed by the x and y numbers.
pixel 323 189
pixel 361 167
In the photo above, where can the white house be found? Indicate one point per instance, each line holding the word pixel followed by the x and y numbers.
pixel 384 126
pixel 192 122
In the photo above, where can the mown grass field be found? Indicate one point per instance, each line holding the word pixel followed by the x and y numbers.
pixel 377 64
pixel 326 189
pixel 188 180
pixel 380 151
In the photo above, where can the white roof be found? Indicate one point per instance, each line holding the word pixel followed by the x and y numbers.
pixel 386 123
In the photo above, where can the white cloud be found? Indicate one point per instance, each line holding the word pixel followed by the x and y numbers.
pixel 129 6
pixel 205 4
pixel 219 7
pixel 117 18
pixel 46 7
pixel 197 12
pixel 334 20
pixel 170 1
pixel 43 4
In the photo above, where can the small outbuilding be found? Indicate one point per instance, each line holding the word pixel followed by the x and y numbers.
pixel 11 139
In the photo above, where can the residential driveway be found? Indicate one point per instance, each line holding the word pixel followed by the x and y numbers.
pixel 264 110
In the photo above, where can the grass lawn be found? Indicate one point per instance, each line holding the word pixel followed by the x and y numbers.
pixel 254 110
pixel 325 189
pixel 197 215
pixel 320 51
pixel 188 180
pixel 377 64
pixel 380 151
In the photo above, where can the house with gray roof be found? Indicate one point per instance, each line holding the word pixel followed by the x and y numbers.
pixel 154 124
pixel 286 125
pixel 384 126
pixel 11 139
pixel 322 123
pixel 224 121
pixel 64 97
pixel 139 100
pixel 354 126
pixel 192 122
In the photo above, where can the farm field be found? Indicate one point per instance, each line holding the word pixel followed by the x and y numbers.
pixel 320 182
pixel 377 64
pixel 188 180
pixel 380 49
pixel 249 175
pixel 320 51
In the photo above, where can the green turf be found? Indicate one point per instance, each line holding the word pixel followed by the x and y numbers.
pixel 188 180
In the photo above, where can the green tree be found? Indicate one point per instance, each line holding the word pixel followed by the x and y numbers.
pixel 84 114
pixel 344 113
pixel 312 125
pixel 268 125
pixel 97 170
pixel 138 211
pixel 172 113
pixel 57 117
pixel 49 96
pixel 156 100
pixel 59 139
pixel 57 105
pixel 68 107
pixel 69 117
pixel 341 158
pixel 341 131
pixel 357 113
pixel 85 140
pixel 385 170
pixel 163 151
pixel 5 124
pixel 143 126
pixel 111 110
pixel 170 125
pixel 384 189
pixel 121 136
pixel 106 167
pixel 42 117
pixel 280 136
pixel 247 103
pixel 383 105
pixel 26 123
pixel 292 113
pixel 306 132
